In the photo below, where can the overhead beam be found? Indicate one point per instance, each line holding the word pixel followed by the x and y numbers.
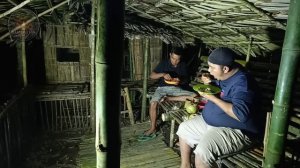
pixel 12 2
pixel 14 8
pixel 33 18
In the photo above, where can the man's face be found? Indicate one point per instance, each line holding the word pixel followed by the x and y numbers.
pixel 175 59
pixel 217 71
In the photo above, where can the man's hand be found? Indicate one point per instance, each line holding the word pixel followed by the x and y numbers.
pixel 207 96
pixel 205 77
pixel 167 76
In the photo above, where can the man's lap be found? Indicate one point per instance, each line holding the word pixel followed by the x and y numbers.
pixel 211 142
pixel 169 91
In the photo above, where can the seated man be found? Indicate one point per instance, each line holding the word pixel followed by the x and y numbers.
pixel 229 121
pixel 175 73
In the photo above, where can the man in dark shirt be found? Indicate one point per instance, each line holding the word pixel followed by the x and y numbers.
pixel 173 80
pixel 229 121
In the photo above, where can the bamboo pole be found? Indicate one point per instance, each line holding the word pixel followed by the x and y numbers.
pixel 108 61
pixel 14 8
pixel 131 59
pixel 24 63
pixel 145 80
pixel 287 72
pixel 92 78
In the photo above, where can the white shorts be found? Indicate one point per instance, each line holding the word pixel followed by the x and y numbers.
pixel 170 91
pixel 209 141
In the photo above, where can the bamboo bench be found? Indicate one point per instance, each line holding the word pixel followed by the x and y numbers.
pixel 252 156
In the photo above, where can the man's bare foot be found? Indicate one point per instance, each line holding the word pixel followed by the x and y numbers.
pixel 149 132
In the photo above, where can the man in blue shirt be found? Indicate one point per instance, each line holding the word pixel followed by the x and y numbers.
pixel 173 81
pixel 229 121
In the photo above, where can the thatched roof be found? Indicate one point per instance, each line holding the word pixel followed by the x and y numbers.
pixel 233 23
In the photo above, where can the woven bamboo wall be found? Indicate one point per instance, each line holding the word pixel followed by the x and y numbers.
pixel 72 37
pixel 137 51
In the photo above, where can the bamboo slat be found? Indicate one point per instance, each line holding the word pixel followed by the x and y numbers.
pixel 148 154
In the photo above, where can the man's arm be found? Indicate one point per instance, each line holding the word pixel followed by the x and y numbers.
pixel 155 75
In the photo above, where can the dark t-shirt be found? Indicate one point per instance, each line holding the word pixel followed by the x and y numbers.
pixel 242 91
pixel 180 71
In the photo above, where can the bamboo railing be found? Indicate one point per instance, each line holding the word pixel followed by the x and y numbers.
pixel 17 126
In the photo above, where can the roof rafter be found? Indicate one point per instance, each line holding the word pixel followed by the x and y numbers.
pixel 211 20
pixel 33 18
pixel 166 23
pixel 14 8
pixel 262 13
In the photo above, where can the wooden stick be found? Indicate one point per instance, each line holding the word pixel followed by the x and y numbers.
pixel 74 112
pixel 68 112
pixel 81 112
pixel 172 129
pixel 52 115
pixel 60 111
pixel 130 111
pixel 55 103
pixel 64 114
pixel 7 140
pixel 41 112
pixel 87 113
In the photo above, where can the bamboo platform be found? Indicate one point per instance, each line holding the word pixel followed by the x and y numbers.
pixel 153 153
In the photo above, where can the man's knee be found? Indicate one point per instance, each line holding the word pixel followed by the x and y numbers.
pixel 153 104
pixel 206 153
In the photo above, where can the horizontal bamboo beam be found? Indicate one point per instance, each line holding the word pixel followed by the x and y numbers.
pixel 14 9
pixel 33 18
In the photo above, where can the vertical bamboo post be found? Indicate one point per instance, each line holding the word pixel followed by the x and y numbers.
pixel 22 65
pixel 287 72
pixel 108 61
pixel 145 80
pixel 131 59
pixel 92 77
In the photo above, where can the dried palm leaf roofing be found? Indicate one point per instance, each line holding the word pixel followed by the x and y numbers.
pixel 232 23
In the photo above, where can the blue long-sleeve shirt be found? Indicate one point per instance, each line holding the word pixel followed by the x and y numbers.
pixel 241 90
